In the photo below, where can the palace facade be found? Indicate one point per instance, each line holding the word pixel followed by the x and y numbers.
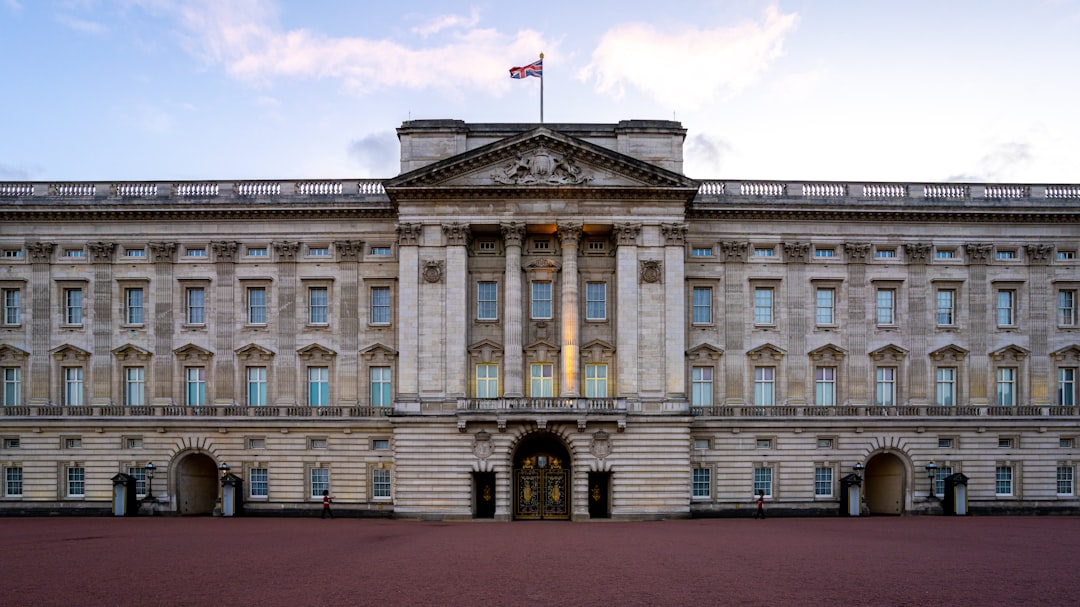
pixel 539 321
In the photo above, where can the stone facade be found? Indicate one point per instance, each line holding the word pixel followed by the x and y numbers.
pixel 549 304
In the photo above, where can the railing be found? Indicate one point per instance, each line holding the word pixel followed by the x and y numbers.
pixel 194 189
pixel 711 189
pixel 883 411
pixel 192 411
pixel 531 405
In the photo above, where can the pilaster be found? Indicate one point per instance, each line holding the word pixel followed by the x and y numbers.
pixel 41 331
pixel 858 366
pixel 285 362
pixel 348 370
pixel 919 323
pixel 408 318
pixel 737 321
pixel 513 375
pixel 1040 322
pixel 626 304
pixel 981 322
pixel 675 309
pixel 101 256
pixel 163 256
pixel 569 238
pixel 456 307
pixel 800 319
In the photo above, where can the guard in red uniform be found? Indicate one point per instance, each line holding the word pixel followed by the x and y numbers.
pixel 326 499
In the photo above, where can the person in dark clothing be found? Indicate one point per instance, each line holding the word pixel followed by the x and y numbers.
pixel 760 505
pixel 326 500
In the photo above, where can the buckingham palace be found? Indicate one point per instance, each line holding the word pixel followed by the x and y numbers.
pixel 539 321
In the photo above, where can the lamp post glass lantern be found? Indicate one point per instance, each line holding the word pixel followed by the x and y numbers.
pixel 224 469
pixel 931 473
pixel 150 468
pixel 858 468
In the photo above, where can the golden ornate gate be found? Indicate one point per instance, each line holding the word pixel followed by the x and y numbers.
pixel 541 493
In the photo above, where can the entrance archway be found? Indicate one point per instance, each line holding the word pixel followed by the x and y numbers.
pixel 884 484
pixel 196 484
pixel 542 479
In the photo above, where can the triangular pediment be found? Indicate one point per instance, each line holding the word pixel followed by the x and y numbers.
pixel 766 351
pixel 131 352
pixel 1010 352
pixel 70 352
pixel 951 352
pixel 192 352
pixel 704 351
pixel 254 352
pixel 538 159
pixel 1070 353
pixel 827 352
pixel 378 351
pixel 11 353
pixel 890 352
pixel 315 352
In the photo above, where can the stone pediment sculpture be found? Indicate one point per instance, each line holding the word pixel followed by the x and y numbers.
pixel 541 167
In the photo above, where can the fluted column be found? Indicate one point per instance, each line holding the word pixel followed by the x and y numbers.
pixel 101 255
pixel 858 366
pixel 920 323
pixel 513 375
pixel 41 327
pixel 569 237
pixel 163 254
pixel 285 361
pixel 348 254
pixel 675 309
pixel 981 322
pixel 224 379
pixel 736 322
pixel 1040 320
pixel 800 315
pixel 456 308
pixel 626 307
pixel 408 320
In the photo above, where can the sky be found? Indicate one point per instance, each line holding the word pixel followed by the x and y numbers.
pixel 867 90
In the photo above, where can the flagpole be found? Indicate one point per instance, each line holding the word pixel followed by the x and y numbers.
pixel 541 92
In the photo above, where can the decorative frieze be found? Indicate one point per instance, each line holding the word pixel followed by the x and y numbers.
pixel 433 270
pixel 541 167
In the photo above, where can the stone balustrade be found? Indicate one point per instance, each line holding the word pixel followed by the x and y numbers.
pixel 885 411
pixel 161 190
pixel 540 405
pixel 192 411
pixel 714 190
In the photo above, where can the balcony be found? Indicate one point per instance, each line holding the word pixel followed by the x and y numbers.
pixel 543 405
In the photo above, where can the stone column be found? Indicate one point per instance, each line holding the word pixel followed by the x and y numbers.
pixel 286 360
pixel 736 321
pixel 919 323
pixel 408 320
pixel 513 375
pixel 569 237
pixel 1041 317
pixel 163 255
pixel 858 364
pixel 348 370
pixel 101 256
pixel 675 309
pixel 456 308
pixel 981 321
pixel 800 319
pixel 626 308
pixel 224 379
pixel 41 327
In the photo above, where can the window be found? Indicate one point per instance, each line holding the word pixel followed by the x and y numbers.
pixel 319 251
pixel 17 253
pixel 764 380
pixel 133 442
pixel 1005 443
pixel 486 246
pixel 73 386
pixel 317 443
pixel 380 251
pixel 825 443
pixel 74 253
pixel 256 305
pixel 824 253
pixel 541 299
pixel 487 301
pixel 763 481
pixel 945 443
pixel 256 442
pixel 825 301
pixel 195 252
pixel 764 251
pixel 596 384
pixel 196 306
pixel 257 252
pixel 139 473
pixel 1064 480
pixel 12 302
pixel 318 305
pixel 134 252
pixel 702 483
pixel 133 306
pixel 256 386
pixel 763 306
pixel 73 306
pixel 318 386
pixel 380 444
pixel 542 244
pixel 381 395
pixel 540 380
pixel 823 483
pixel 885 389
pixel 380 305
pixel 1003 480
pixel 940 474
pixel 701 444
pixel 76 481
pixel 1066 255
pixel 702 305
pixel 596 301
pixel 134 386
pixel 945 254
pixel 763 443
pixel 701 381
pixel 885 254
pixel 1066 386
pixel 195 380
pixel 1006 386
pixel 825 386
pixel 701 252
pixel 13 481
pixel 12 443
pixel 320 481
pixel 596 246
pixel 12 386
pixel 380 484
pixel 946 386
pixel 259 483
pixel 1005 254
pixel 1066 443
pixel 1006 307
pixel 73 442
pixel 946 307
pixel 1066 308
pixel 487 380
pixel 886 306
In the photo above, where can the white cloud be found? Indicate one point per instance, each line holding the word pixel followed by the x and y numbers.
pixel 437 24
pixel 685 69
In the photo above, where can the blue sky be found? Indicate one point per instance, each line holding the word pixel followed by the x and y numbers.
pixel 922 90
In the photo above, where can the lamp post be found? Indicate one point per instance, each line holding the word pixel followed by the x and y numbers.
pixel 858 468
pixel 150 468
pixel 224 469
pixel 931 473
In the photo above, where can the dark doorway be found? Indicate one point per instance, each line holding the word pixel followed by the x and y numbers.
pixel 196 485
pixel 599 492
pixel 884 484
pixel 484 495
pixel 542 479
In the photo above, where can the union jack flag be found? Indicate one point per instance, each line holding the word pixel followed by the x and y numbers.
pixel 535 68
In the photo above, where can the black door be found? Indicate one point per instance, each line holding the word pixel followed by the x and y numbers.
pixel 484 494
pixel 599 503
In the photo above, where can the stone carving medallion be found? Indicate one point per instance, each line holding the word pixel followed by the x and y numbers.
pixel 482 447
pixel 433 270
pixel 651 271
pixel 601 445
pixel 540 167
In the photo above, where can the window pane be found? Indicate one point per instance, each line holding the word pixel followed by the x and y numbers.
pixel 541 299
pixel 945 306
pixel 595 301
pixel 196 310
pixel 320 481
pixel 763 481
pixel 596 381
pixel 134 386
pixel 886 305
pixel 886 386
pixel 12 304
pixel 318 386
pixel 259 482
pixel 196 386
pixel 380 305
pixel 257 306
pixel 73 302
pixel 825 386
pixel 380 387
pixel 701 379
pixel 1006 301
pixel 763 385
pixel 823 483
pixel 318 305
pixel 702 305
pixel 946 386
pixel 540 384
pixel 487 301
pixel 12 386
pixel 73 386
pixel 134 305
pixel 824 308
pixel 701 482
pixel 1066 308
pixel 256 377
pixel 1006 386
pixel 763 306
pixel 487 381
pixel 1067 386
